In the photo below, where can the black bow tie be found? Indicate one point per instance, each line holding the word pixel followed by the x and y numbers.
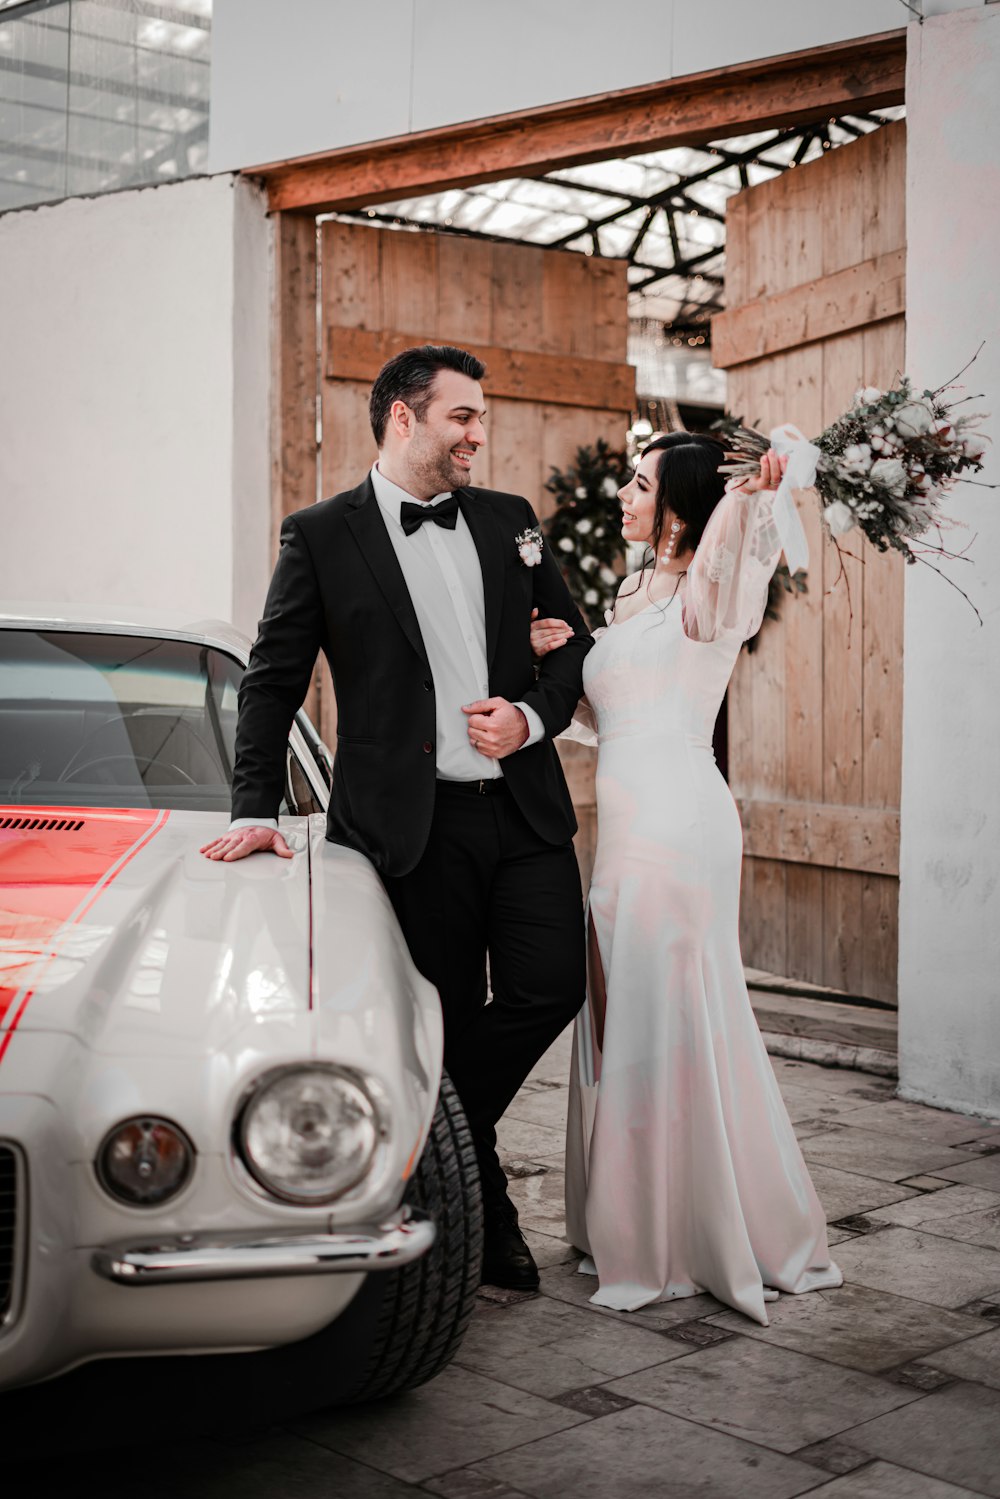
pixel 412 515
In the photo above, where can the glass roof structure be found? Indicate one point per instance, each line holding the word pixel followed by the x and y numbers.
pixel 97 95
pixel 663 212
pixel 100 94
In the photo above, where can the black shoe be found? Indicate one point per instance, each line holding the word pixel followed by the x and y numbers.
pixel 507 1260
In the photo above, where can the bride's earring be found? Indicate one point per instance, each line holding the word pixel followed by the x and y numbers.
pixel 668 550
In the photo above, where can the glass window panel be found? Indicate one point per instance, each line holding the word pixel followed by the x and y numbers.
pixel 102 94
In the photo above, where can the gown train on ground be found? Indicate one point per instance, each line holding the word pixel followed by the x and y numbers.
pixel 683 1173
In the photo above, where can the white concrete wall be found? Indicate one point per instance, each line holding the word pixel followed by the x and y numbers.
pixel 134 368
pixel 250 487
pixel 312 75
pixel 949 999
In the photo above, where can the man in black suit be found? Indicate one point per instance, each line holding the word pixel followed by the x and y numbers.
pixel 419 590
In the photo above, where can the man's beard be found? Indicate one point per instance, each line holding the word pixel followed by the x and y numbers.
pixel 437 472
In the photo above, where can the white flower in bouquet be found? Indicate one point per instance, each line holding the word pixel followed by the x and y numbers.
pixel 580 492
pixel 598 533
pixel 858 458
pixel 587 564
pixel 566 544
pixel 913 419
pixel 609 488
pixel 890 474
pixel 867 395
pixel 608 576
pixel 584 525
pixel 974 448
pixel 839 517
pixel 591 596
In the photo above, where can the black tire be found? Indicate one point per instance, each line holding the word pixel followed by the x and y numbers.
pixel 425 1308
pixel 401 1329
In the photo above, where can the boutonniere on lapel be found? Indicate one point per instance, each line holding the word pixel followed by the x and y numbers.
pixel 529 546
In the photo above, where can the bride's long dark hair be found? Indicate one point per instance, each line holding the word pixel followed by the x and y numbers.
pixel 688 484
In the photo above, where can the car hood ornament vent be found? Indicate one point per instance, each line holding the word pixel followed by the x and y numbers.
pixel 42 824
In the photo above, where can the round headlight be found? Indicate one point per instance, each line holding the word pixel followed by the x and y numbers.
pixel 144 1161
pixel 307 1134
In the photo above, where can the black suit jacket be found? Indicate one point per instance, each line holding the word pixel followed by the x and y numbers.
pixel 338 587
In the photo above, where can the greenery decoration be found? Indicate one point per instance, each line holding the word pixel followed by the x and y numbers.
pixel 584 531
pixel 782 582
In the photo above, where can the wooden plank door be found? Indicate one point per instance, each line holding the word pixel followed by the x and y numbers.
pixel 551 327
pixel 815 308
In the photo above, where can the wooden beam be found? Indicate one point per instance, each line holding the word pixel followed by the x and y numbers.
pixel 845 77
pixel 295 356
pixel 294 362
pixel 514 374
pixel 853 298
pixel 820 833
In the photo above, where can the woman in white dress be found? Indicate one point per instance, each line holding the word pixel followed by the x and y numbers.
pixel 683 1173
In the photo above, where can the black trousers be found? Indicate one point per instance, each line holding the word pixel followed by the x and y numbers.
pixel 489 886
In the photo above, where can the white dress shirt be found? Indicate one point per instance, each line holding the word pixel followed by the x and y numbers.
pixel 445 582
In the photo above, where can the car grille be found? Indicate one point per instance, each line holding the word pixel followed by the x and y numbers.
pixel 8 1229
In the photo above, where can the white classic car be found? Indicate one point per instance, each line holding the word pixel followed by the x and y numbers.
pixel 223 1124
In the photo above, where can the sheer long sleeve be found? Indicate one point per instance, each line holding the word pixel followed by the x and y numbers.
pixel 727 582
pixel 582 727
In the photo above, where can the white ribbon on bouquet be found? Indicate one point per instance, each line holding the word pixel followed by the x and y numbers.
pixel 803 459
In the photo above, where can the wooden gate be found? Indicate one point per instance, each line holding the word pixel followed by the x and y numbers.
pixel 815 293
pixel 551 327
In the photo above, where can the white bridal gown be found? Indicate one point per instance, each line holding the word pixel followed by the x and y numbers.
pixel 683 1173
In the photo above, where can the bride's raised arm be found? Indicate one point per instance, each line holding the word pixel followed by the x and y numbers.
pixel 727 581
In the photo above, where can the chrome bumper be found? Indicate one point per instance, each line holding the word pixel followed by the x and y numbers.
pixel 194 1257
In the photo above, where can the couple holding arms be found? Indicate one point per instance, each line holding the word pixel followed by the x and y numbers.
pixel 457 658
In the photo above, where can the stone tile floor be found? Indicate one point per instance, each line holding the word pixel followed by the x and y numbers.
pixel 888 1388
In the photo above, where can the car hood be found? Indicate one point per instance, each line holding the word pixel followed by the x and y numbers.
pixel 115 929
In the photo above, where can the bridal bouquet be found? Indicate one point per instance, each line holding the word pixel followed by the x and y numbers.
pixel 882 468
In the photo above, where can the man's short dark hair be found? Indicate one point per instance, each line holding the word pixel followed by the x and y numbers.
pixel 410 376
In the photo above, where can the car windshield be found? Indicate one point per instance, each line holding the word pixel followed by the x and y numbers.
pixel 115 721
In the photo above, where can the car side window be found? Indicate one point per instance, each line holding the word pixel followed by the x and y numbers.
pixel 299 799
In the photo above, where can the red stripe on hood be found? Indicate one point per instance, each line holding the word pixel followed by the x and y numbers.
pixel 48 882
